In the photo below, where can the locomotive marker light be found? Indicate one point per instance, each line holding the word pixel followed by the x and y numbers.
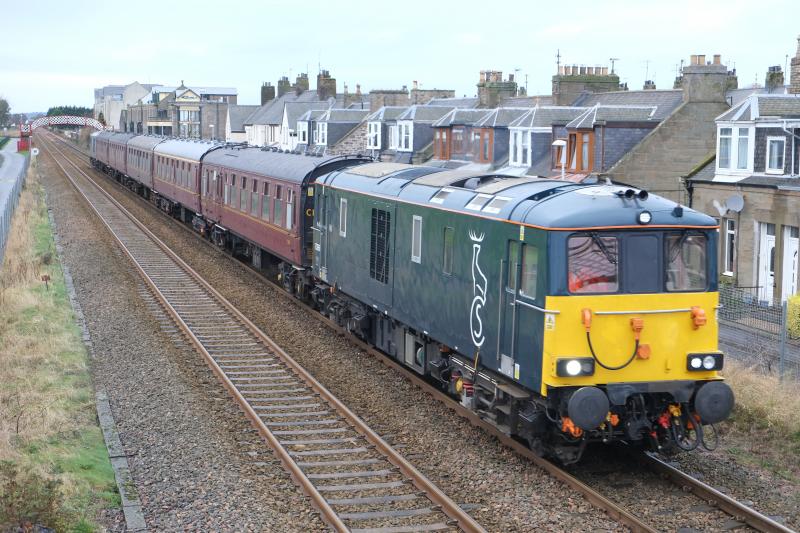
pixel 704 361
pixel 573 367
pixel 645 217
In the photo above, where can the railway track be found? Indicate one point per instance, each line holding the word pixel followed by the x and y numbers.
pixel 736 510
pixel 355 479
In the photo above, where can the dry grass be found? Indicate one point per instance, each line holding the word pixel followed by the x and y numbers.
pixel 764 402
pixel 47 417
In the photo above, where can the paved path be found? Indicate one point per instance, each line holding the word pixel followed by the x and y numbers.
pixel 11 168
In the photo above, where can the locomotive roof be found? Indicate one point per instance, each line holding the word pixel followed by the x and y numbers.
pixel 146 142
pixel 184 148
pixel 286 166
pixel 537 202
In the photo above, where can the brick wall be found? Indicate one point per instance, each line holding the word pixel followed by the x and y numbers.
pixel 672 150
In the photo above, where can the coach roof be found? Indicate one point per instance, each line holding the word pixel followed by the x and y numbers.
pixel 145 142
pixel 285 166
pixel 184 148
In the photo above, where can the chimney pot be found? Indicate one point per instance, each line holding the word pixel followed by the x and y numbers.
pixel 717 59
pixel 562 69
pixel 701 59
pixel 415 84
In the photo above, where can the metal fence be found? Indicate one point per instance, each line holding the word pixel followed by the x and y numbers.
pixel 8 204
pixel 754 329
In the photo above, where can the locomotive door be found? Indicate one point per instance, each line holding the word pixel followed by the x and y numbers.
pixel 521 329
pixel 509 308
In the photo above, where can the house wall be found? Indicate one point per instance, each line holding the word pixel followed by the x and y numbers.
pixel 760 153
pixel 354 142
pixel 761 204
pixel 672 150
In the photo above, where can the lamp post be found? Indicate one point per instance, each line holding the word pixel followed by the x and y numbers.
pixel 561 143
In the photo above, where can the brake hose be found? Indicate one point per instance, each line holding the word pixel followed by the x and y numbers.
pixel 620 367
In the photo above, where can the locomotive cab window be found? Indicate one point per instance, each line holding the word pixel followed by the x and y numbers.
pixel 593 264
pixel 686 262
pixel 530 268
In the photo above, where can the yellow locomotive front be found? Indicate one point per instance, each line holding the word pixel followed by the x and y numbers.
pixel 630 342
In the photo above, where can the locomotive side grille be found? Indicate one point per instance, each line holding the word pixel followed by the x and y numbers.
pixel 379 246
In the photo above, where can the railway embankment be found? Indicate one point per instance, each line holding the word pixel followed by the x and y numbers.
pixel 54 467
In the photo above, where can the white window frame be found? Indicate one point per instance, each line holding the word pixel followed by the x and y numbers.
pixel 719 147
pixel 405 136
pixel 520 150
pixel 393 137
pixel 302 132
pixel 733 164
pixel 767 168
pixel 416 239
pixel 729 269
pixel 322 135
pixel 374 135
pixel 342 217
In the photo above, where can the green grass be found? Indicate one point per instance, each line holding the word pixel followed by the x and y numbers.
pixel 44 379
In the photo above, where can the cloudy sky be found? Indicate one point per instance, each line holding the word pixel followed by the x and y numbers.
pixel 56 52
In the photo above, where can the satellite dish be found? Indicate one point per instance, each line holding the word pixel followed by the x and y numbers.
pixel 735 203
pixel 722 209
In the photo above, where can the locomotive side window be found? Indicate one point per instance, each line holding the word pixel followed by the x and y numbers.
pixel 686 262
pixel 343 217
pixel 513 264
pixel 530 269
pixel 593 264
pixel 416 239
pixel 447 253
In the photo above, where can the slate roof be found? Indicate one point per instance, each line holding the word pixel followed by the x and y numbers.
pixel 465 102
pixel 294 110
pixel 528 101
pixel 736 96
pixel 666 101
pixel 353 116
pixel 501 117
pixel 311 114
pixel 767 106
pixel 466 117
pixel 231 91
pixel 272 112
pixel 618 113
pixel 424 113
pixel 387 113
pixel 238 114
pixel 546 116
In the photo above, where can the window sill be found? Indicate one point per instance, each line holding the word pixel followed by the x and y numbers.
pixel 774 172
pixel 728 274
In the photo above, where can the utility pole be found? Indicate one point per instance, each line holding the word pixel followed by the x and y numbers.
pixel 558 61
pixel 613 61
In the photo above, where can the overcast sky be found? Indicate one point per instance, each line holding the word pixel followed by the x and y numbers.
pixel 55 52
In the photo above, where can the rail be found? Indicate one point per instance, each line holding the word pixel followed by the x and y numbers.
pixel 337 460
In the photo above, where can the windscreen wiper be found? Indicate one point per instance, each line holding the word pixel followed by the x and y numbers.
pixel 603 248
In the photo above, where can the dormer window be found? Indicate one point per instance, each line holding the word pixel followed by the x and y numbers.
pixel 733 149
pixel 405 137
pixel 580 151
pixel 322 133
pixel 776 149
pixel 374 135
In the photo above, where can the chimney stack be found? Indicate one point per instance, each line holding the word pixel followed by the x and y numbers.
pixel 774 79
pixel 267 92
pixel 326 86
pixel 794 87
pixel 704 82
pixel 283 86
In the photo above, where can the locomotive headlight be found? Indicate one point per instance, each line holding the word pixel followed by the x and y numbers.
pixel 645 217
pixel 574 366
pixel 704 361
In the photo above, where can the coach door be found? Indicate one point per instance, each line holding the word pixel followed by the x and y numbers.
pixel 508 316
pixel 322 215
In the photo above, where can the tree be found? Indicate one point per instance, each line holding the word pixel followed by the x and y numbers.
pixel 4 110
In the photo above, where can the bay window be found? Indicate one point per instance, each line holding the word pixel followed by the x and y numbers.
pixel 405 136
pixel 322 133
pixel 374 135
pixel 724 152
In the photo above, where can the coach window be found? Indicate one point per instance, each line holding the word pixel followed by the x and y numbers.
pixel 416 239
pixel 530 268
pixel 593 264
pixel 686 262
pixel 277 208
pixel 234 192
pixel 244 202
pixel 254 200
pixel 447 252
pixel 343 217
pixel 265 203
pixel 205 183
